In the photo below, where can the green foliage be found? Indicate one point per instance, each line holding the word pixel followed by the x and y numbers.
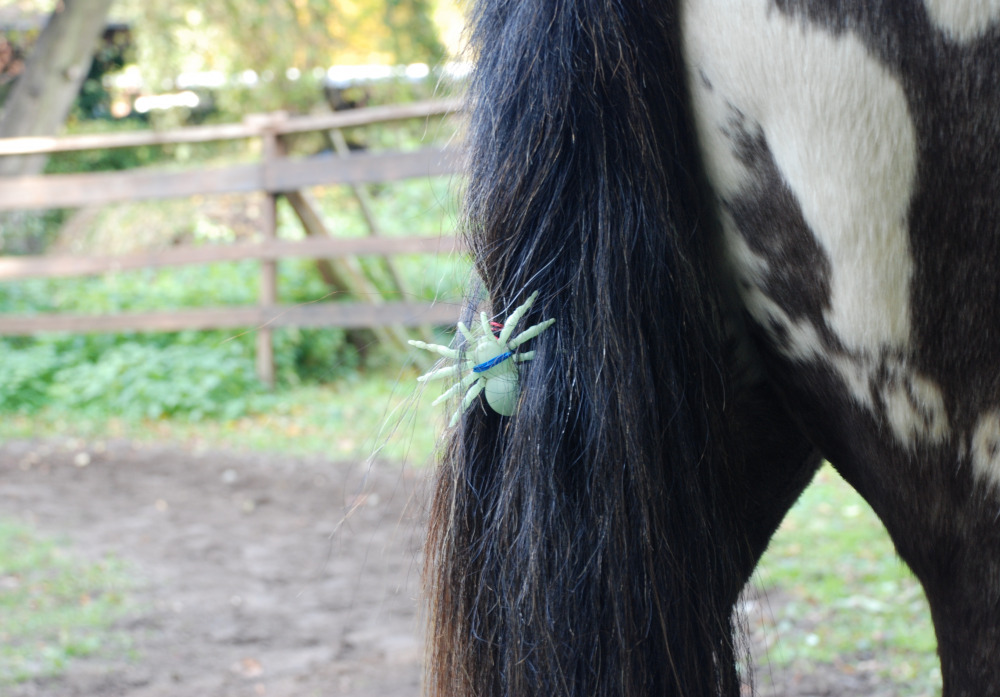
pixel 28 232
pixel 190 374
pixel 381 412
pixel 276 93
pixel 143 381
pixel 412 34
pixel 110 159
pixel 54 607
pixel 26 376
pixel 113 52
pixel 272 38
pixel 129 377
pixel 166 156
pixel 849 597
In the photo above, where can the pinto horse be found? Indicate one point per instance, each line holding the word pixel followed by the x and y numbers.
pixel 769 233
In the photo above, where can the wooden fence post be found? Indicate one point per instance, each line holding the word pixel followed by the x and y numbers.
pixel 268 267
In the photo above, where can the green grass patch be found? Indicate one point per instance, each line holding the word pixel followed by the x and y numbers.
pixel 53 607
pixel 380 413
pixel 848 597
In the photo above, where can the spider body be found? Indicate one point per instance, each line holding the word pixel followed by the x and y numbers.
pixel 487 366
pixel 491 364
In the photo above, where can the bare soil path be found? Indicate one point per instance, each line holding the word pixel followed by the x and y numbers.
pixel 254 579
pixel 268 575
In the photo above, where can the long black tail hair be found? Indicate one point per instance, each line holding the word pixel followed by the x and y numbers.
pixel 579 547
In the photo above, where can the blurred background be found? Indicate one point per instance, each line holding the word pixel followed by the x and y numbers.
pixel 179 69
pixel 219 224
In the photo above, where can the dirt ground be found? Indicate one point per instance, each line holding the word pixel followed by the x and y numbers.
pixel 258 574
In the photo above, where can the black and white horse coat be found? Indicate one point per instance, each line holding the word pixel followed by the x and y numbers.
pixel 769 231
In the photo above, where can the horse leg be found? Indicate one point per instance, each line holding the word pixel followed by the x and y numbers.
pixel 960 572
pixel 937 500
pixel 942 518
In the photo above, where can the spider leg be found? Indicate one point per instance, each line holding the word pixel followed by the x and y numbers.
pixel 466 333
pixel 441 373
pixel 511 322
pixel 522 357
pixel 484 321
pixel 456 388
pixel 436 348
pixel 530 333
pixel 467 401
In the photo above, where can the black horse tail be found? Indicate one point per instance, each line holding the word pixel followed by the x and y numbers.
pixel 579 546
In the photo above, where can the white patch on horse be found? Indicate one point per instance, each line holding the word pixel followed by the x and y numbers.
pixel 715 114
pixel 963 20
pixel 857 375
pixel 839 129
pixel 986 446
pixel 914 407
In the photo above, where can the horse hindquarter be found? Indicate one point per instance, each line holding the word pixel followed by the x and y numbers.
pixel 854 152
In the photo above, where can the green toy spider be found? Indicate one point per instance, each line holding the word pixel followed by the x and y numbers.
pixel 492 362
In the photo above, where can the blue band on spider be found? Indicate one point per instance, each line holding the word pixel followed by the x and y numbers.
pixel 483 367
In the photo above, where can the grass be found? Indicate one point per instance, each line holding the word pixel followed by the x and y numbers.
pixel 847 598
pixel 53 607
pixel 380 413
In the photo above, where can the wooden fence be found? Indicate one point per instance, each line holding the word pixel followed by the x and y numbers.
pixel 276 175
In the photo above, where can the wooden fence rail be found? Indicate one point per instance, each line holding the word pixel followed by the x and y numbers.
pixel 276 175
pixel 348 315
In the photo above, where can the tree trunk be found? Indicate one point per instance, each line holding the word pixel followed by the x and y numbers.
pixel 40 101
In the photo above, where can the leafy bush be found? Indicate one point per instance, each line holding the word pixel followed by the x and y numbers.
pixel 145 381
pixel 26 376
pixel 308 355
pixel 29 232
pixel 152 375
